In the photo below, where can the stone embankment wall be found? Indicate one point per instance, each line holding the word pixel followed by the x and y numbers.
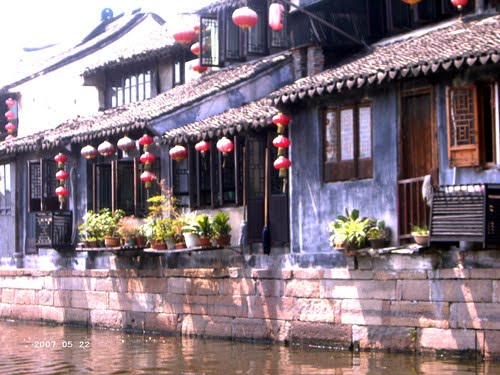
pixel 427 311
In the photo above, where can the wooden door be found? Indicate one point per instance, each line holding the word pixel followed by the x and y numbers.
pixel 418 157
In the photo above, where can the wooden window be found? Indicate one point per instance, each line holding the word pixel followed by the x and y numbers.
pixel 5 189
pixel 347 135
pixel 128 87
pixel 257 35
pixel 116 185
pixel 179 73
pixel 211 180
pixel 278 39
pixel 473 125
pixel 42 186
pixel 233 38
pixel 209 41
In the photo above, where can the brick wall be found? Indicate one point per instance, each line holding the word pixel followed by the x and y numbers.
pixel 426 310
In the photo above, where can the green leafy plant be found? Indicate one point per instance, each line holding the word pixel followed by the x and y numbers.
pixel 376 229
pixel 90 229
pixel 220 224
pixel 128 226
pixel 349 230
pixel 203 225
pixel 419 231
pixel 108 221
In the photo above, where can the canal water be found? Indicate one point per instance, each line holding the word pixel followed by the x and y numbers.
pixel 41 349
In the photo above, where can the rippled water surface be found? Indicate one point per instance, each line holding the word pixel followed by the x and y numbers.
pixel 33 349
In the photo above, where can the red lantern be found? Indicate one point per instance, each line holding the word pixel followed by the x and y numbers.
pixel 89 152
pixel 411 2
pixel 10 127
pixel 195 48
pixel 281 141
pixel 147 177
pixel 245 17
pixel 459 3
pixel 281 119
pixel 178 153
pixel 62 175
pixel 62 192
pixel 202 146
pixel 145 141
pixel 106 149
pixel 60 158
pixel 10 115
pixel 185 36
pixel 199 68
pixel 282 164
pixel 225 145
pixel 276 11
pixel 196 29
pixel 147 157
pixel 126 144
pixel 10 102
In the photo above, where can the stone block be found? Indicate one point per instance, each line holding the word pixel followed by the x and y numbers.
pixel 109 284
pixel 45 297
pixel 317 310
pixel 308 273
pixel 135 320
pixel 227 306
pixel 321 334
pixel 107 318
pixel 492 345
pixel 271 274
pixel 475 315
pixel 25 282
pixel 143 302
pixel 260 329
pixel 8 295
pixel 160 322
pixel 362 289
pixel 240 287
pixel 400 275
pixel 397 262
pixel 179 285
pixel 68 283
pixel 417 314
pixel 147 285
pixel 194 304
pixel 449 273
pixel 220 327
pixel 172 304
pixel 26 312
pixel 77 316
pixel 384 338
pixel 308 288
pixel 205 287
pixel 62 298
pixel 5 311
pixel 446 340
pixel 270 307
pixel 25 297
pixel 345 274
pixel 414 290
pixel 496 291
pixel 485 273
pixel 89 300
pixel 362 312
pixel 53 314
pixel 194 325
pixel 462 290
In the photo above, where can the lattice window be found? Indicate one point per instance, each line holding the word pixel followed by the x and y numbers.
pixel 463 133
pixel 209 41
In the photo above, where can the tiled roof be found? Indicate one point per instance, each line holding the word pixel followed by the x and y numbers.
pixel 252 115
pixel 138 115
pixel 220 4
pixel 147 46
pixel 454 45
pixel 33 68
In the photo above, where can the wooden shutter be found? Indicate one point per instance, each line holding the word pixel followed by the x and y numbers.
pixel 209 41
pixel 364 141
pixel 35 186
pixel 233 38
pixel 463 128
pixel 42 184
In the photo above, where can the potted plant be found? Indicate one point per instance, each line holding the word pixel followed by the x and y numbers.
pixel 376 234
pixel 89 229
pixel 349 231
pixel 420 235
pixel 127 229
pixel 203 226
pixel 178 224
pixel 108 221
pixel 141 237
pixel 189 231
pixel 162 220
pixel 161 231
pixel 222 228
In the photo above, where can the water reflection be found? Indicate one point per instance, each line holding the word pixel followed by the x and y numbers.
pixel 33 349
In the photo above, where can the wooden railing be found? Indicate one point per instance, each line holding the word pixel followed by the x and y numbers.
pixel 412 209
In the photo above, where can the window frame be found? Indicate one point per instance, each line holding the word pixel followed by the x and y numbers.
pixel 6 185
pixel 45 198
pixel 120 80
pixel 339 169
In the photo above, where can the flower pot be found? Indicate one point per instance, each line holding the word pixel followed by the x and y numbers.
pixel 90 244
pixel 140 241
pixel 111 241
pixel 180 245
pixel 130 242
pixel 191 239
pixel 204 242
pixel 224 240
pixel 158 245
pixel 421 239
pixel 377 243
pixel 170 243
